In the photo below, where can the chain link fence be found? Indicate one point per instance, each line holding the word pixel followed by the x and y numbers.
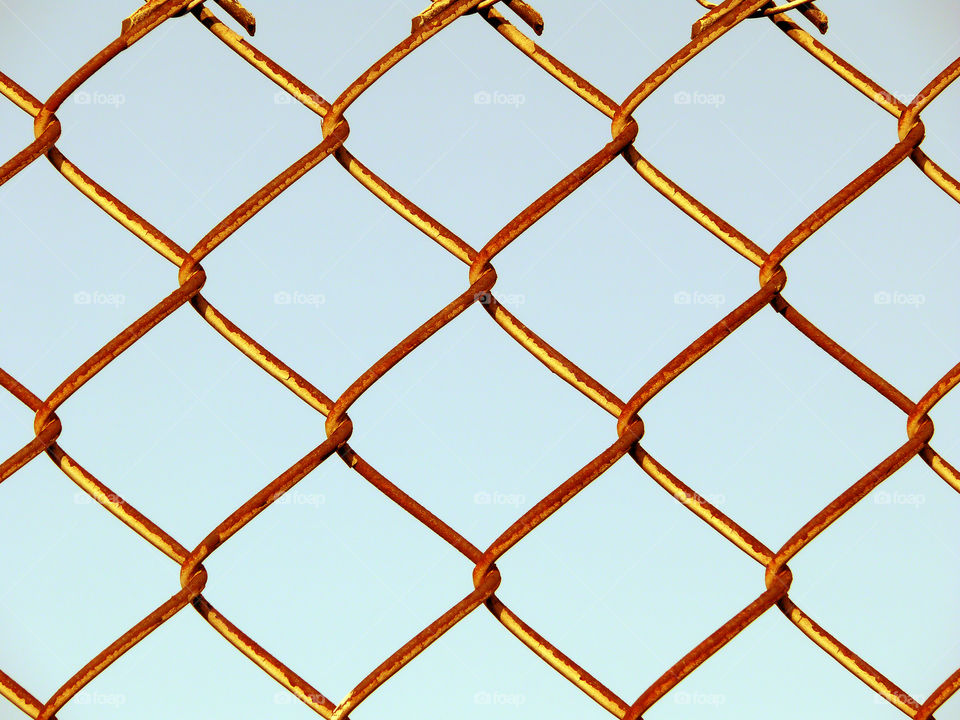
pixel 794 19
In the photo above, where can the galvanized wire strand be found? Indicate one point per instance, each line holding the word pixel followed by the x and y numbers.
pixel 480 289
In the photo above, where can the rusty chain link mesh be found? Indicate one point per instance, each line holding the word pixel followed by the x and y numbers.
pixel 719 19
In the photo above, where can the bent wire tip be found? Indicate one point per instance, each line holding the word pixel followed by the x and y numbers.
pixel 523 10
pixel 715 12
pixel 142 18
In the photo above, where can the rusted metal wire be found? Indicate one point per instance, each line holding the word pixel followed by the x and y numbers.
pixel 719 19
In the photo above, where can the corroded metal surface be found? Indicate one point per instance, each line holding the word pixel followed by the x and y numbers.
pixel 480 288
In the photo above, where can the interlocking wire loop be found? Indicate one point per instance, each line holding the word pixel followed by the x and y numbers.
pixel 480 288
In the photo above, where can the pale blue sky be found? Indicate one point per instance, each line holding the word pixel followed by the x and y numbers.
pixel 623 579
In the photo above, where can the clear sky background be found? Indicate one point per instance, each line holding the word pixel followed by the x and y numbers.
pixel 623 579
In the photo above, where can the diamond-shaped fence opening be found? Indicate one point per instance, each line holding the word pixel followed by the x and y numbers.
pixel 585 530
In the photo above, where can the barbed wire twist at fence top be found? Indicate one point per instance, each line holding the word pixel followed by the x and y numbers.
pixel 719 19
